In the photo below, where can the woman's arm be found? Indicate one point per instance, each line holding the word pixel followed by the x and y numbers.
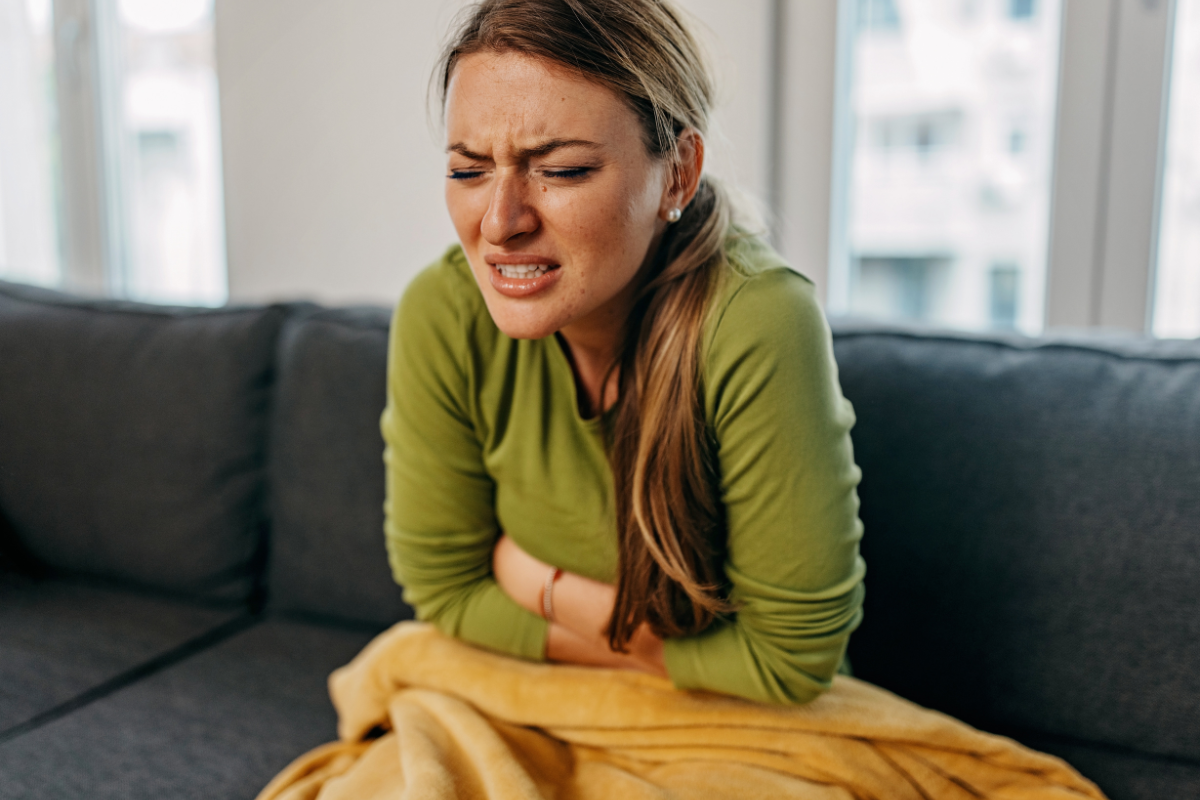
pixel 788 486
pixel 582 608
pixel 440 520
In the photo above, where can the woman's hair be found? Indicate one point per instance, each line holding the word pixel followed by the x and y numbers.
pixel 671 541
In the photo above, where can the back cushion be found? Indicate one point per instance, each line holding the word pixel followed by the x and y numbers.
pixel 132 437
pixel 1032 535
pixel 327 554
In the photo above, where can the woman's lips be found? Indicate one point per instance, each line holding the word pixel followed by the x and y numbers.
pixel 523 287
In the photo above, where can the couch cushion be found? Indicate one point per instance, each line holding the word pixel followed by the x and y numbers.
pixel 327 553
pixel 1032 517
pixel 132 436
pixel 220 724
pixel 1124 774
pixel 59 639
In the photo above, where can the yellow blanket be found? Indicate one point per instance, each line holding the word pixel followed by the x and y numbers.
pixel 464 723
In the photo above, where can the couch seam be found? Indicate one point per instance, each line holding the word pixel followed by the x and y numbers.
pixel 114 684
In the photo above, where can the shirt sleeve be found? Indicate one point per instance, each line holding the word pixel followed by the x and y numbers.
pixel 440 524
pixel 789 485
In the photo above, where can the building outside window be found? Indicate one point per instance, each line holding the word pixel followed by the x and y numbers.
pixel 1005 284
pixel 1022 9
pixel 950 171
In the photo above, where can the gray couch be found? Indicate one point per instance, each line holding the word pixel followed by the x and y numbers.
pixel 190 540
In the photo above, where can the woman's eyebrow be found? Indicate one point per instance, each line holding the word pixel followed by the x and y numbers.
pixel 543 149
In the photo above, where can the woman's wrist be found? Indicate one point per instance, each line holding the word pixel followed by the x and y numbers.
pixel 546 598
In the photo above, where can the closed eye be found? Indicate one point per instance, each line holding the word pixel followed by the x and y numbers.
pixel 571 172
pixel 464 174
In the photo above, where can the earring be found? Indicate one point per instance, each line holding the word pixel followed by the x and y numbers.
pixel 674 214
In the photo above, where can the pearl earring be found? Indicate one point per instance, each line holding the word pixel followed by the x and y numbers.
pixel 674 214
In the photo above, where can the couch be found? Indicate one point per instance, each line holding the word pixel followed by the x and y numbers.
pixel 190 539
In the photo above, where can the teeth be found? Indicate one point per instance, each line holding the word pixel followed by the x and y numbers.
pixel 522 270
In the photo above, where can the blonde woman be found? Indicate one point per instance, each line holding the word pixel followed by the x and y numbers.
pixel 615 438
pixel 614 429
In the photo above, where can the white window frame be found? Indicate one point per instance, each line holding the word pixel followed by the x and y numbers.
pixel 1115 60
pixel 1112 109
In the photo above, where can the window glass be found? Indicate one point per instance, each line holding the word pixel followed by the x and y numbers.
pixel 948 181
pixel 1021 9
pixel 1177 282
pixel 29 220
pixel 166 163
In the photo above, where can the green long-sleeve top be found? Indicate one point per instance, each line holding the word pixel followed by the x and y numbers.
pixel 483 434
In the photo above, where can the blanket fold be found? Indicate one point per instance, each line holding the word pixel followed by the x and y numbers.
pixel 459 722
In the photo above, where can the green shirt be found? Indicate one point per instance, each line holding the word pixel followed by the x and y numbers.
pixel 483 434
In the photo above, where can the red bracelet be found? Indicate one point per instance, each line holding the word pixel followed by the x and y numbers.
pixel 547 594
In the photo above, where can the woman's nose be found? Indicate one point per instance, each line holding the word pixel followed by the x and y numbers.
pixel 508 214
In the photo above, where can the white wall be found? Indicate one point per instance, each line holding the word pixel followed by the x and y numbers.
pixel 333 178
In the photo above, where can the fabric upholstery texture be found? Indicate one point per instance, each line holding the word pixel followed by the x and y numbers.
pixel 1032 518
pixel 327 552
pixel 1124 775
pixel 132 436
pixel 218 725
pixel 59 639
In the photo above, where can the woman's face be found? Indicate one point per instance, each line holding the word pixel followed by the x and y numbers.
pixel 555 199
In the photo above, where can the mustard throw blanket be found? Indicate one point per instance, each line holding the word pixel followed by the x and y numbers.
pixel 465 723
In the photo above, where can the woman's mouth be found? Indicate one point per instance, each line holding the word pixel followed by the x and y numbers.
pixel 523 280
pixel 524 270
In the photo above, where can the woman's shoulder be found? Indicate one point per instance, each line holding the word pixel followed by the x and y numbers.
pixel 441 318
pixel 768 342
pixel 443 296
pixel 444 285
pixel 762 297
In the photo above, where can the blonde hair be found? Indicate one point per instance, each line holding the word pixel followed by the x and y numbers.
pixel 670 526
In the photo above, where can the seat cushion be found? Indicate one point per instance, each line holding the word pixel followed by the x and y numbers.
pixel 1032 513
pixel 220 724
pixel 132 436
pixel 327 553
pixel 60 639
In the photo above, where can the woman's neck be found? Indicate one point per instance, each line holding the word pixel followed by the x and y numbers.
pixel 591 363
pixel 593 344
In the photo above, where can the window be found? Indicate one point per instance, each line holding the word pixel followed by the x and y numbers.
pixel 116 162
pixel 909 288
pixel 1016 141
pixel 878 15
pixel 29 179
pixel 949 176
pixel 1022 9
pixel 1004 284
pixel 167 158
pixel 1177 282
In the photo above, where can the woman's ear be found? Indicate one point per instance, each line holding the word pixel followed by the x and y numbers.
pixel 685 173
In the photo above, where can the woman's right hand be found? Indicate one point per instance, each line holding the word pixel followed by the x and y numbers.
pixel 519 574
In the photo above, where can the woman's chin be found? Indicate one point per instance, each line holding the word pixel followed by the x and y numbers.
pixel 524 326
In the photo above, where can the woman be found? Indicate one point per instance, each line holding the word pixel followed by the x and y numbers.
pixel 615 438
pixel 607 371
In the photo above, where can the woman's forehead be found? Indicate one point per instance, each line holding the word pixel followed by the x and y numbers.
pixel 514 98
